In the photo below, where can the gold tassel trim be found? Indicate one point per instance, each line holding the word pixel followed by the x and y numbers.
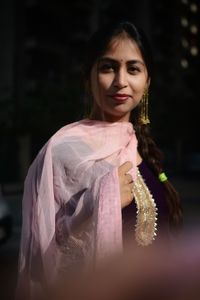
pixel 146 221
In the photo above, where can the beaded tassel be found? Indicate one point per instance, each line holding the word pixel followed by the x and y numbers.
pixel 144 111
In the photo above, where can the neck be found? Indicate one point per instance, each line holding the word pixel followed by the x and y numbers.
pixel 103 116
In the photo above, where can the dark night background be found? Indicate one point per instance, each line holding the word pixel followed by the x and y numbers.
pixel 41 89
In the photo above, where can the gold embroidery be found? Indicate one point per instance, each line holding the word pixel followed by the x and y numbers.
pixel 146 225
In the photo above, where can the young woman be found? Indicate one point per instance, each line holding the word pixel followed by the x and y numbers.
pixel 98 182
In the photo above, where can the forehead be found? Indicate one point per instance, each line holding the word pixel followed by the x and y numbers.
pixel 123 49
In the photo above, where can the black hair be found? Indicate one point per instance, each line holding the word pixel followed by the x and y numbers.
pixel 96 47
pixel 100 40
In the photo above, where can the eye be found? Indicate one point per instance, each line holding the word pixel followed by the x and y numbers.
pixel 134 70
pixel 106 68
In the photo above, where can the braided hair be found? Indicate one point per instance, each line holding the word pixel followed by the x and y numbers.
pixel 96 47
pixel 154 157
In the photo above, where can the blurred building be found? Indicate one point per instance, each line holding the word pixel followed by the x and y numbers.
pixel 177 61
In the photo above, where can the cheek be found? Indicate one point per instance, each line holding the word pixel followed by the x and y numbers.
pixel 99 88
pixel 139 84
pixel 105 81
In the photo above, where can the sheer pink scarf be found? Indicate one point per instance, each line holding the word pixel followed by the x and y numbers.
pixel 71 202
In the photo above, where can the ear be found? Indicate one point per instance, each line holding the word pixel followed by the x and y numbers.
pixel 148 82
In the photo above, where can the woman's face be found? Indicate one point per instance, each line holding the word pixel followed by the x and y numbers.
pixel 118 81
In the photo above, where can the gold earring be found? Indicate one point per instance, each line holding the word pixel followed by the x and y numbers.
pixel 144 118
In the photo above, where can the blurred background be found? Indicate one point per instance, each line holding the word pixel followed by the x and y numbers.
pixel 41 89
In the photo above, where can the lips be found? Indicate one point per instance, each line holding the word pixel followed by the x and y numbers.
pixel 120 97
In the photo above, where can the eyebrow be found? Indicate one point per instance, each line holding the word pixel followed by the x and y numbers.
pixel 109 59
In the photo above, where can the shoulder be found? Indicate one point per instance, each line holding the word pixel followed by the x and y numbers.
pixel 78 128
pixel 62 138
pixel 70 142
pixel 64 132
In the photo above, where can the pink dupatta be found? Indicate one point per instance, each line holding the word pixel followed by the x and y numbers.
pixel 71 202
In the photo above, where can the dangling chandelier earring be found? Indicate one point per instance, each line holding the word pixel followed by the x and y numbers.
pixel 144 118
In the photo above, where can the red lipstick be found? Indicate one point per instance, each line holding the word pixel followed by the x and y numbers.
pixel 120 97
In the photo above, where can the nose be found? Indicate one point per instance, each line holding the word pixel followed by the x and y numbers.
pixel 120 80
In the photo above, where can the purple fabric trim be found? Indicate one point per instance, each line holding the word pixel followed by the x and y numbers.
pixel 155 187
